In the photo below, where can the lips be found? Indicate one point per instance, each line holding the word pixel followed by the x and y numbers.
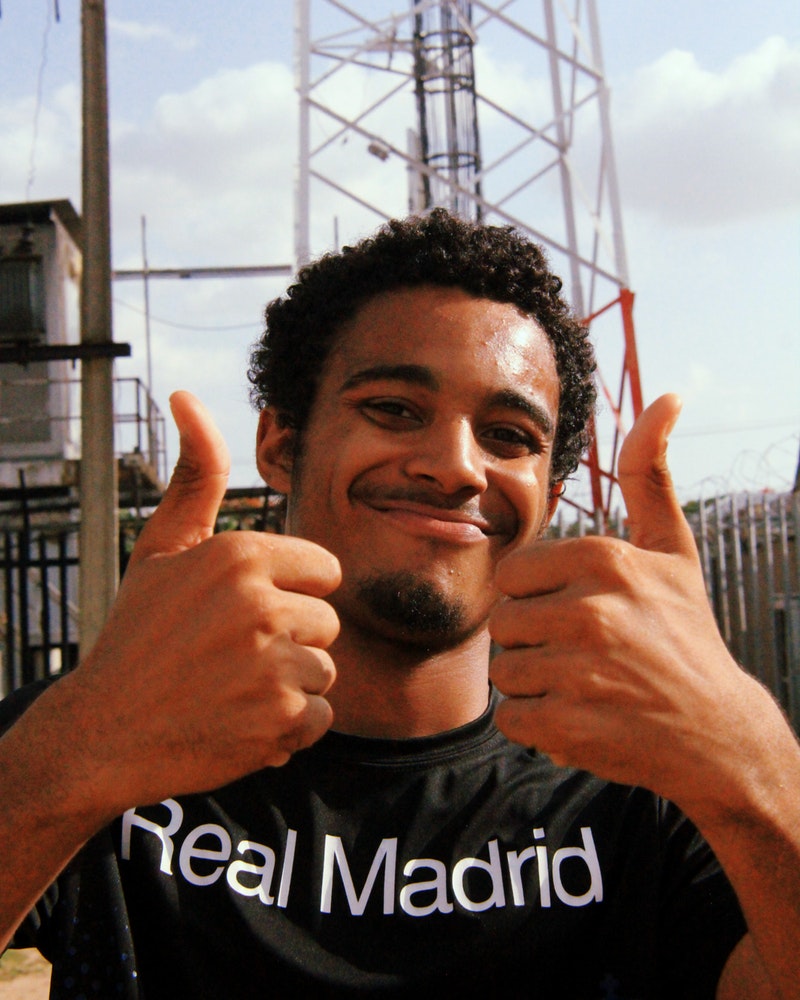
pixel 425 512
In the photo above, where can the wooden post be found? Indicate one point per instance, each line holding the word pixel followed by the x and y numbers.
pixel 99 489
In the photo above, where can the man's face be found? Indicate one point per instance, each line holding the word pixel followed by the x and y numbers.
pixel 426 457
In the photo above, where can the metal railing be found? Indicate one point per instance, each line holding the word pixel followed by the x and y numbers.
pixel 139 425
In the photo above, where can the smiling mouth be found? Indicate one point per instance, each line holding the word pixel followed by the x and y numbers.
pixel 456 526
pixel 435 513
pixel 428 513
pixel 433 525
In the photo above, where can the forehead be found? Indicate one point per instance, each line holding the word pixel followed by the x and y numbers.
pixel 459 338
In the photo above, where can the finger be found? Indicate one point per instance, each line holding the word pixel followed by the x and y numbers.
pixel 533 571
pixel 188 511
pixel 516 673
pixel 524 720
pixel 655 518
pixel 323 675
pixel 298 565
pixel 312 723
pixel 310 621
pixel 524 621
pixel 313 670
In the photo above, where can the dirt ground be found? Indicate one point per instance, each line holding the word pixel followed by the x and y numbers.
pixel 24 975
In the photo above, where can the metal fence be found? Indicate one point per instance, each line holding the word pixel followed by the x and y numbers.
pixel 39 581
pixel 750 551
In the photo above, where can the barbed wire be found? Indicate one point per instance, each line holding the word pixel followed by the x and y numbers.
pixel 752 471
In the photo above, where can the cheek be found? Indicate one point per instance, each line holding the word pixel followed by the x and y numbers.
pixel 530 499
pixel 320 506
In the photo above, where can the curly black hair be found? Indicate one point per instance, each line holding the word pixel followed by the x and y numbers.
pixel 489 262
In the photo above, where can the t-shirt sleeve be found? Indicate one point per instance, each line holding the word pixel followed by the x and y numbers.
pixel 14 704
pixel 701 920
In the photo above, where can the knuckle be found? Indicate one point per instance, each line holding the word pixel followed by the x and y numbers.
pixel 279 655
pixel 604 549
pixel 307 724
pixel 286 706
pixel 328 671
pixel 331 621
pixel 512 720
pixel 597 620
pixel 273 613
pixel 614 564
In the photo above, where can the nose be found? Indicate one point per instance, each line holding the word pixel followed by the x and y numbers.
pixel 448 455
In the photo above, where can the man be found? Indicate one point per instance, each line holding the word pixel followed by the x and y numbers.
pixel 423 398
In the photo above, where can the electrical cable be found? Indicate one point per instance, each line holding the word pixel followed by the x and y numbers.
pixel 186 326
pixel 38 107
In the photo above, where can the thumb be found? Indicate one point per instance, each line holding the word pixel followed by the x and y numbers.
pixel 188 510
pixel 655 518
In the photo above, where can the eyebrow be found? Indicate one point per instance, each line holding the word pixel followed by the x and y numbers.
pixel 512 400
pixel 424 377
pixel 416 374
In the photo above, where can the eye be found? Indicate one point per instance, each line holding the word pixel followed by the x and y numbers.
pixel 511 442
pixel 394 414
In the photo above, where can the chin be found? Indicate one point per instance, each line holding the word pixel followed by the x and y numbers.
pixel 414 610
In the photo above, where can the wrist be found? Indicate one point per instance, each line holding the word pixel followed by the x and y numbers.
pixel 755 787
pixel 52 748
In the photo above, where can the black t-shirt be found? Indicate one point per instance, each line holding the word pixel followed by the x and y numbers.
pixel 457 864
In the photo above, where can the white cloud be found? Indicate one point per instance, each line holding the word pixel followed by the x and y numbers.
pixel 48 151
pixel 211 169
pixel 698 147
pixel 138 31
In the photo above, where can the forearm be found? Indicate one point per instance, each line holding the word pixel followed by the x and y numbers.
pixel 756 837
pixel 47 809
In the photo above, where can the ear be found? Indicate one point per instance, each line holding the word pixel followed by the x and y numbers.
pixel 554 495
pixel 274 451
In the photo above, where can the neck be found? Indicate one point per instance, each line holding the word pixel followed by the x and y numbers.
pixel 396 691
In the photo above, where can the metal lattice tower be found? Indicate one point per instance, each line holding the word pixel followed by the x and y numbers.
pixel 499 111
pixel 447 119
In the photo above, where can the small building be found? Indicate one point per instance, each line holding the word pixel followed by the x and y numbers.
pixel 40 441
pixel 40 266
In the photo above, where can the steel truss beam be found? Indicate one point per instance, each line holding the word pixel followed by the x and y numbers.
pixel 542 159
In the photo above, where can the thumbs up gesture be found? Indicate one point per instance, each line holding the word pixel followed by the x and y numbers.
pixel 212 663
pixel 612 659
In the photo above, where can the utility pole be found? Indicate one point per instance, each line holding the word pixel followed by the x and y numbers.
pixel 98 483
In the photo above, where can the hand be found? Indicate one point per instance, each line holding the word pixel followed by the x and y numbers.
pixel 613 661
pixel 212 663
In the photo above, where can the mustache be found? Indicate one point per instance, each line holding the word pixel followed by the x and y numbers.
pixel 420 495
pixel 467 506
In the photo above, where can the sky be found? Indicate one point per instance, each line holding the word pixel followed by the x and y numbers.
pixel 705 106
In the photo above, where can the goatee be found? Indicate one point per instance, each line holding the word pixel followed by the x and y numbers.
pixel 417 608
